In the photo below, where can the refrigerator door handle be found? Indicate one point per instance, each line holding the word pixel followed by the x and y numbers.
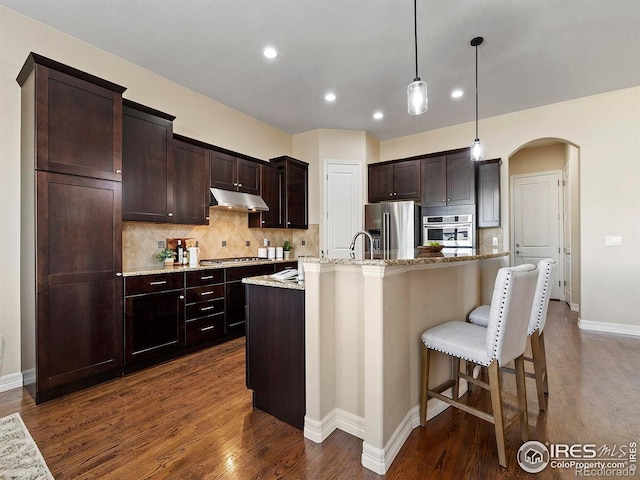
pixel 386 221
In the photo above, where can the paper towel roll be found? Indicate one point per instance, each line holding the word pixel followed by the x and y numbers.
pixel 271 252
pixel 279 253
pixel 262 252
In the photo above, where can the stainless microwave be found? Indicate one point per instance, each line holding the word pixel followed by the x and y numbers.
pixel 450 230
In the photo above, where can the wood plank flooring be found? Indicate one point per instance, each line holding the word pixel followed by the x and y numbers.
pixel 191 418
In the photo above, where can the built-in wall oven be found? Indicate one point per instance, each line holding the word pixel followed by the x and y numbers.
pixel 453 231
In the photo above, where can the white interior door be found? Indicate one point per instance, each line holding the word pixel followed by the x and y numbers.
pixel 536 221
pixel 566 237
pixel 344 207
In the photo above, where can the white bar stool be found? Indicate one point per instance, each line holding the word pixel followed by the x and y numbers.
pixel 547 269
pixel 502 341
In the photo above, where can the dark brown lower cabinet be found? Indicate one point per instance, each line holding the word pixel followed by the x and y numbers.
pixel 275 351
pixel 71 300
pixel 234 295
pixel 153 317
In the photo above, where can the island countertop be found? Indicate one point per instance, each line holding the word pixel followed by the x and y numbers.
pixel 269 281
pixel 456 255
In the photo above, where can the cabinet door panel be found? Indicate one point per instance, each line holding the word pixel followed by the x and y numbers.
pixel 84 330
pixel 406 180
pixel 154 325
pixel 248 176
pixel 272 189
pixel 147 167
pixel 380 183
pixel 434 185
pixel 80 126
pixel 297 196
pixel 489 194
pixel 223 169
pixel 460 179
pixel 191 184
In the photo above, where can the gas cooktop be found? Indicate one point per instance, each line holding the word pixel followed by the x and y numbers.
pixel 224 261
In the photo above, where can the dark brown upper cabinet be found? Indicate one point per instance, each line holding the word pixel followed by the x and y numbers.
pixel 147 164
pixel 448 180
pixel 488 182
pixel 229 172
pixel 78 118
pixel 272 187
pixel 190 182
pixel 397 180
pixel 296 191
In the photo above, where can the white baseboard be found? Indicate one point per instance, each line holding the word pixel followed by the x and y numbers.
pixel 606 327
pixel 379 460
pixel 574 307
pixel 11 381
pixel 350 423
pixel 318 431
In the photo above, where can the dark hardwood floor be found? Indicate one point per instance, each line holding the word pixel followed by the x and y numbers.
pixel 191 418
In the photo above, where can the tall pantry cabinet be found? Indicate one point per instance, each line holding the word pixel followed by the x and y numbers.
pixel 71 228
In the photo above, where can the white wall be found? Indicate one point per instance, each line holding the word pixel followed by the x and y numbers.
pixel 606 129
pixel 197 116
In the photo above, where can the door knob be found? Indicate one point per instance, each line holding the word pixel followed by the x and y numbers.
pixel 517 252
pixel 517 244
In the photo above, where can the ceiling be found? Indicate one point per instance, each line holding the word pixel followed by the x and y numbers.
pixel 535 52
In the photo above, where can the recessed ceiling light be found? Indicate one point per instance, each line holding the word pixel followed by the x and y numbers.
pixel 457 94
pixel 270 52
pixel 378 115
pixel 330 97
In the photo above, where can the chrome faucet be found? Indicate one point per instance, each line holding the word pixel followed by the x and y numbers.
pixel 353 243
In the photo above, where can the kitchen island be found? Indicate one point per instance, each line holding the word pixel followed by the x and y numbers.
pixel 363 320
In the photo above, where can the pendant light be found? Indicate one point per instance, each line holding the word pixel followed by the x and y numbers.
pixel 417 102
pixel 477 147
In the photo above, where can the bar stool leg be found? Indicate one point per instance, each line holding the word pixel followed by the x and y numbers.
pixel 496 405
pixel 539 370
pixel 455 365
pixel 426 354
pixel 522 398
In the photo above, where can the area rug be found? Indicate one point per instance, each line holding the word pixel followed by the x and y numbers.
pixel 19 455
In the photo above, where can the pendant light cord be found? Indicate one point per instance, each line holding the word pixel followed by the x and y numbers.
pixel 415 35
pixel 476 92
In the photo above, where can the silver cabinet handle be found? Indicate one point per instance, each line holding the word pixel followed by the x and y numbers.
pixel 204 329
pixel 263 221
pixel 119 274
pixel 208 277
pixel 204 309
pixel 169 214
pixel 181 297
pixel 239 184
pixel 158 283
pixel 235 184
pixel 118 171
pixel 204 294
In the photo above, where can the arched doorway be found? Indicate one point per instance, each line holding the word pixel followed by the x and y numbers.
pixel 544 210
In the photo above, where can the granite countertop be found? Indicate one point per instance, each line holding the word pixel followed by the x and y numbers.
pixel 419 259
pixel 133 271
pixel 269 281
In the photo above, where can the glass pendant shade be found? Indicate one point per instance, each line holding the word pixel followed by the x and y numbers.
pixel 417 101
pixel 477 150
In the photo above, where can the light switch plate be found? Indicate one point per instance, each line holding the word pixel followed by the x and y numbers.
pixel 161 244
pixel 495 241
pixel 613 241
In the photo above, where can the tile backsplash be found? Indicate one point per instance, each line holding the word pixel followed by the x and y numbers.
pixel 140 239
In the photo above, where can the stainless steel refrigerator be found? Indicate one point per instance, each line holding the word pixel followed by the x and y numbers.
pixel 395 228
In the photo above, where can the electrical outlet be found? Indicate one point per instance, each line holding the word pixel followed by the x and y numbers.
pixel 304 243
pixel 248 243
pixel 224 243
pixel 495 241
pixel 265 242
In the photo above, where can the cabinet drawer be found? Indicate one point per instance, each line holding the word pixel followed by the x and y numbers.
pixel 238 273
pixel 204 329
pixel 205 309
pixel 205 277
pixel 205 294
pixel 153 283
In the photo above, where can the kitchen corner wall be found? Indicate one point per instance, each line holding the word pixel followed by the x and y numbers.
pixel 140 239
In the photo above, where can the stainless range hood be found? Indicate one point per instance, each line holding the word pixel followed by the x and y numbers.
pixel 237 201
